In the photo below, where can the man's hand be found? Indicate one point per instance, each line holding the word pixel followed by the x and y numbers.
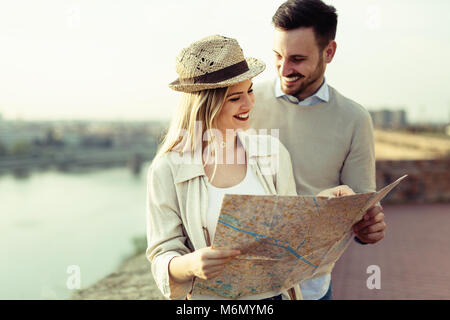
pixel 371 227
pixel 339 191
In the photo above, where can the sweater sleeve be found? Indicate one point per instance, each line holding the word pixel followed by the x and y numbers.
pixel 358 170
pixel 165 237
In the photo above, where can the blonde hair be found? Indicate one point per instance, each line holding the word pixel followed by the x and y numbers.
pixel 183 134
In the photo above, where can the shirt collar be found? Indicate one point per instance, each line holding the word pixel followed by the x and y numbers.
pixel 321 95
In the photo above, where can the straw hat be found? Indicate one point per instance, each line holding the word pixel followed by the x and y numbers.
pixel 213 62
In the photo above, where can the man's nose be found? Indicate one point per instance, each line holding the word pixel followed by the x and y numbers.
pixel 285 68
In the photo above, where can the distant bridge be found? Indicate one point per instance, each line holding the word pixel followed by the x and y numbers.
pixel 78 158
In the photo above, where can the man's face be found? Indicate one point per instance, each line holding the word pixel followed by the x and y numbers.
pixel 299 62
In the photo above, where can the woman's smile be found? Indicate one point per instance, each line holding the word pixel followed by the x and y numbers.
pixel 235 112
pixel 242 116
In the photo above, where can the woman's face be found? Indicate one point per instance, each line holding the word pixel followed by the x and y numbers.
pixel 236 109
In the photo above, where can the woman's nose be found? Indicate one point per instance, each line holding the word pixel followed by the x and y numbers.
pixel 248 101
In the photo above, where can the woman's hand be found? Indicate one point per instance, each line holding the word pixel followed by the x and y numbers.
pixel 338 191
pixel 208 263
pixel 205 263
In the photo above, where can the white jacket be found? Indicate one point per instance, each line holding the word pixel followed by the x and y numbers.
pixel 177 203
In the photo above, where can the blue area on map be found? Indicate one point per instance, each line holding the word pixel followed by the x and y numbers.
pixel 227 287
pixel 317 206
pixel 301 244
pixel 271 241
pixel 232 220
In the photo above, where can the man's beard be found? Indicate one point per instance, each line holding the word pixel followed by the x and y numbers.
pixel 307 82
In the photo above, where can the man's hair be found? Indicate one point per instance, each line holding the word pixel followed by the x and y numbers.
pixel 321 17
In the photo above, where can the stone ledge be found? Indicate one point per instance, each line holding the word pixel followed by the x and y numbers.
pixel 428 181
pixel 132 281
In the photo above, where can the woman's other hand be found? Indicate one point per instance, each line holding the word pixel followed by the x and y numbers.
pixel 338 191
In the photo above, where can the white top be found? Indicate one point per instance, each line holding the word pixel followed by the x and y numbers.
pixel 249 185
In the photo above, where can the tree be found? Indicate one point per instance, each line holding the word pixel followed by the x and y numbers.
pixel 3 149
pixel 20 148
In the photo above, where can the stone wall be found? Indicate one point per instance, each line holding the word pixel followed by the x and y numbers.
pixel 428 181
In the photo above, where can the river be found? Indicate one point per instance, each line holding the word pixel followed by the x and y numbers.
pixel 50 221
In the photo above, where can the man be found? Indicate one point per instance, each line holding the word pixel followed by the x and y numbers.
pixel 329 137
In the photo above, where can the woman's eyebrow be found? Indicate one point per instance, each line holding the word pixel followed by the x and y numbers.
pixel 232 94
pixel 240 92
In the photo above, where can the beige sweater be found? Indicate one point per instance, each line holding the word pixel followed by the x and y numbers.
pixel 329 143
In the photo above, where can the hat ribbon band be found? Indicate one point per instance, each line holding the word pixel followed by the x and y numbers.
pixel 219 75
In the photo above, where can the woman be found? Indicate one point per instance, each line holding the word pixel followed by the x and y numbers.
pixel 205 154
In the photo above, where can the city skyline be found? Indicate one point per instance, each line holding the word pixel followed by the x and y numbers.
pixel 105 60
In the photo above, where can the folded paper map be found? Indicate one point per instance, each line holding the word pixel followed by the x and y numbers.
pixel 283 239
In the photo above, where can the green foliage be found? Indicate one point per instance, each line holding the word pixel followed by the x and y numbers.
pixel 21 148
pixel 3 149
pixel 140 244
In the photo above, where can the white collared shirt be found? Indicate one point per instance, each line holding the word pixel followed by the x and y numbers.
pixel 312 289
pixel 321 95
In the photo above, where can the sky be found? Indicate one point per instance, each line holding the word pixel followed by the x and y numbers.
pixel 113 59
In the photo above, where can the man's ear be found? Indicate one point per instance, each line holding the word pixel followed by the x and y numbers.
pixel 329 51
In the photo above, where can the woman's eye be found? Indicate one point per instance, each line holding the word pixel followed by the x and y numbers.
pixel 234 99
pixel 250 91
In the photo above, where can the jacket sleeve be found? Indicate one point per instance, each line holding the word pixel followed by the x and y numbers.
pixel 165 237
pixel 358 170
